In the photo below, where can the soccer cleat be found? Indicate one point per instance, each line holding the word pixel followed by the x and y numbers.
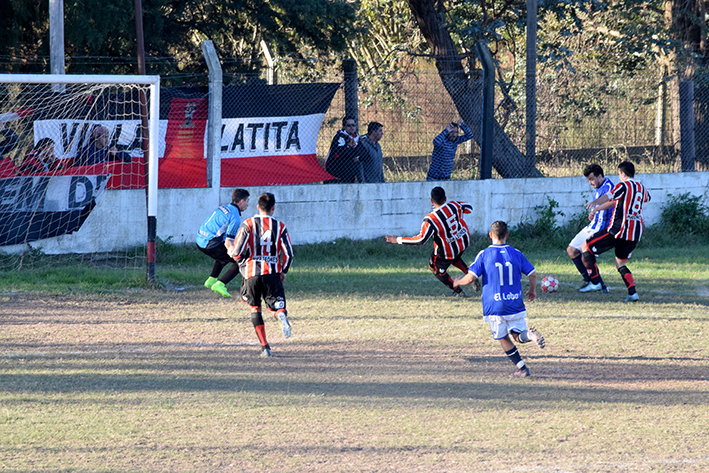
pixel 286 325
pixel 590 287
pixel 476 285
pixel 584 284
pixel 458 294
pixel 536 337
pixel 523 372
pixel 266 352
pixel 210 282
pixel 632 298
pixel 605 289
pixel 220 288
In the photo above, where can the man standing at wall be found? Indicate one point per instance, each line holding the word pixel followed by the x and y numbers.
pixel 373 160
pixel 450 238
pixel 343 159
pixel 264 252
pixel 216 237
pixel 599 221
pixel 625 229
pixel 444 148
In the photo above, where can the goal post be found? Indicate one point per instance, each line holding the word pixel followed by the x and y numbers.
pixel 31 109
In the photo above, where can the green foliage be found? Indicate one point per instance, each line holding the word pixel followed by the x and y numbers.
pixel 545 228
pixel 685 214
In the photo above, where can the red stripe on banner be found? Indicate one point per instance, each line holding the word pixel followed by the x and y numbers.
pixel 272 170
pixel 182 173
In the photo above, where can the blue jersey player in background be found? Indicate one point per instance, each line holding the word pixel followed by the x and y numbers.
pixel 216 237
pixel 500 267
pixel 597 221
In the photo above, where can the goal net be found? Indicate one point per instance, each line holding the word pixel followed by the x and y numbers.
pixel 76 174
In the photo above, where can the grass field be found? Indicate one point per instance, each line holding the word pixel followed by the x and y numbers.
pixel 382 373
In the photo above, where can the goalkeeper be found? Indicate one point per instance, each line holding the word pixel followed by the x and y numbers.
pixel 216 237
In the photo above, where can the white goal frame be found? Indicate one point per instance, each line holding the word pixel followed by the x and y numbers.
pixel 153 133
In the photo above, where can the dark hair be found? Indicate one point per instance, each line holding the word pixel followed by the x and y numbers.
pixel 438 195
pixel 266 201
pixel 374 126
pixel 593 168
pixel 44 143
pixel 499 229
pixel 344 120
pixel 239 195
pixel 628 168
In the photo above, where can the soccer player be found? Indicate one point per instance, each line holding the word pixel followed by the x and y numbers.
pixel 264 252
pixel 625 228
pixel 500 268
pixel 599 221
pixel 450 237
pixel 216 237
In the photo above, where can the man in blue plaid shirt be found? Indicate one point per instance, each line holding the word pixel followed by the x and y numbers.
pixel 444 148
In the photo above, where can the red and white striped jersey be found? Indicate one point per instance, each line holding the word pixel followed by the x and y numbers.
pixel 262 246
pixel 449 231
pixel 627 219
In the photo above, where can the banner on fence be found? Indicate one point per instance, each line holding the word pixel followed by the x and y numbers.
pixel 269 136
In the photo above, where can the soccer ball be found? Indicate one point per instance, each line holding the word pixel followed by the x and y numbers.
pixel 550 284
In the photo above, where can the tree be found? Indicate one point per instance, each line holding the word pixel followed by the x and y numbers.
pixel 465 91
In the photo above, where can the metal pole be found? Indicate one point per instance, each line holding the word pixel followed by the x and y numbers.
pixel 686 124
pixel 349 67
pixel 488 117
pixel 214 118
pixel 56 41
pixel 531 85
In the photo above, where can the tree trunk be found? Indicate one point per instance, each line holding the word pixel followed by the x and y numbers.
pixel 466 92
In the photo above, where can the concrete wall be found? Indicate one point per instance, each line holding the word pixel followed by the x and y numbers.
pixel 316 213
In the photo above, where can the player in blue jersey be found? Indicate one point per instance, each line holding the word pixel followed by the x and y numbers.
pixel 500 267
pixel 598 221
pixel 216 237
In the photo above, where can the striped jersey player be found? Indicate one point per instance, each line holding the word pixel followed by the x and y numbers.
pixel 263 249
pixel 624 230
pixel 445 224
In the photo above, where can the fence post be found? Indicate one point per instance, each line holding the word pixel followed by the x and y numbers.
pixel 660 116
pixel 686 124
pixel 349 66
pixel 271 73
pixel 214 118
pixel 531 84
pixel 488 109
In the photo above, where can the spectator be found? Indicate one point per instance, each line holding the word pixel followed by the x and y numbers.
pixel 8 140
pixel 98 150
pixel 343 160
pixel 444 148
pixel 41 158
pixel 372 160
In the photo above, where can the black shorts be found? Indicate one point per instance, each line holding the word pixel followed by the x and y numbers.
pixel 268 288
pixel 216 249
pixel 439 265
pixel 603 241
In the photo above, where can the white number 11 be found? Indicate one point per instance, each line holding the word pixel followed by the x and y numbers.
pixel 502 275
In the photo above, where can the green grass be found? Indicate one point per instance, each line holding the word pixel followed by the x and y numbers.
pixel 382 373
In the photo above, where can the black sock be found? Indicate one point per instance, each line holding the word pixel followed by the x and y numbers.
pixel 578 262
pixel 515 357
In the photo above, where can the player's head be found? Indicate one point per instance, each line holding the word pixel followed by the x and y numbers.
pixel 240 198
pixel 499 231
pixel 594 174
pixel 438 196
pixel 627 168
pixel 266 201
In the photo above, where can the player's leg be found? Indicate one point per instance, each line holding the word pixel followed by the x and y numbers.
pixel 622 254
pixel 216 268
pixel 218 251
pixel 460 264
pixel 439 267
pixel 574 252
pixel 595 245
pixel 251 294
pixel 275 298
pixel 500 332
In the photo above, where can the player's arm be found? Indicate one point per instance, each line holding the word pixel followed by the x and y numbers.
pixel 600 201
pixel 287 253
pixel 532 292
pixel 604 206
pixel 239 244
pixel 464 280
pixel 423 236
